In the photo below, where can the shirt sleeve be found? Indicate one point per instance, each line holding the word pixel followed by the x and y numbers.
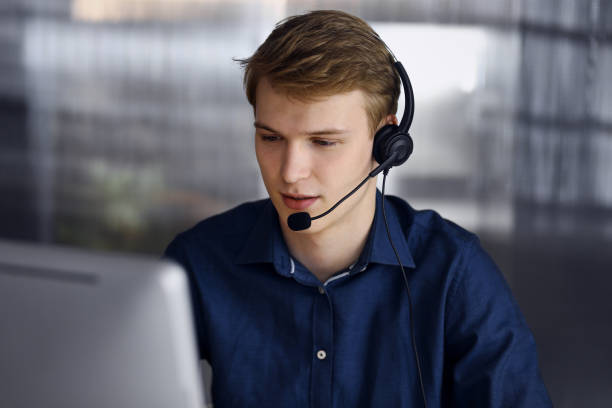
pixel 491 358
pixel 177 252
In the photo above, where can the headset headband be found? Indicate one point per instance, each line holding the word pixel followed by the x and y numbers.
pixel 408 98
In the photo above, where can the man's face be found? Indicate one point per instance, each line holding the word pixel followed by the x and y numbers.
pixel 311 154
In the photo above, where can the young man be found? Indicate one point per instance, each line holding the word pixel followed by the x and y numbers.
pixel 321 317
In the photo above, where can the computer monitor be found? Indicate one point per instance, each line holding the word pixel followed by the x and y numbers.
pixel 86 329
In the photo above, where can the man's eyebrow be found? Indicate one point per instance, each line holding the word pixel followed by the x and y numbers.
pixel 322 132
pixel 265 127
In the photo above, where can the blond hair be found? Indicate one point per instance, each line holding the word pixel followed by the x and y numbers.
pixel 322 53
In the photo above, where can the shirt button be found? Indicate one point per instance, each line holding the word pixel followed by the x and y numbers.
pixel 321 290
pixel 321 354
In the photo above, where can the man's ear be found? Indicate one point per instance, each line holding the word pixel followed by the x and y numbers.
pixel 391 119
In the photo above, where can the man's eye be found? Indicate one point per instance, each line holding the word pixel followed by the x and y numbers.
pixel 269 138
pixel 325 143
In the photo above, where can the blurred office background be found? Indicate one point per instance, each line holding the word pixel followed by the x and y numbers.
pixel 123 122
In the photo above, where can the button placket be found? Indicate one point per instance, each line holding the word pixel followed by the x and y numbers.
pixel 321 373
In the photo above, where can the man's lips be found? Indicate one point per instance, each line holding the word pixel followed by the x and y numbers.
pixel 298 202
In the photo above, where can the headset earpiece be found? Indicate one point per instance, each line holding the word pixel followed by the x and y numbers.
pixel 389 140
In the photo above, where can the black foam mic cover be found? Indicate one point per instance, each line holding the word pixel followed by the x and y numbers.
pixel 299 221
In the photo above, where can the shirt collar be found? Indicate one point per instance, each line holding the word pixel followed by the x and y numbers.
pixel 378 241
pixel 265 243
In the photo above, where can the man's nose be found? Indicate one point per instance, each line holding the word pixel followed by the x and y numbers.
pixel 296 163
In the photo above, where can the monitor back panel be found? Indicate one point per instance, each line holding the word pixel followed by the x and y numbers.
pixel 84 329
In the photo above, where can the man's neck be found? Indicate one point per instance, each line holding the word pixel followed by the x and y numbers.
pixel 339 245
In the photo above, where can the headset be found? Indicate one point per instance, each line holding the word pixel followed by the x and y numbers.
pixel 392 146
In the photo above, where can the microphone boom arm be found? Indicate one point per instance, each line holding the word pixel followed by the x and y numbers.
pixel 373 173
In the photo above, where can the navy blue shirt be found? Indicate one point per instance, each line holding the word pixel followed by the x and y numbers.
pixel 276 336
